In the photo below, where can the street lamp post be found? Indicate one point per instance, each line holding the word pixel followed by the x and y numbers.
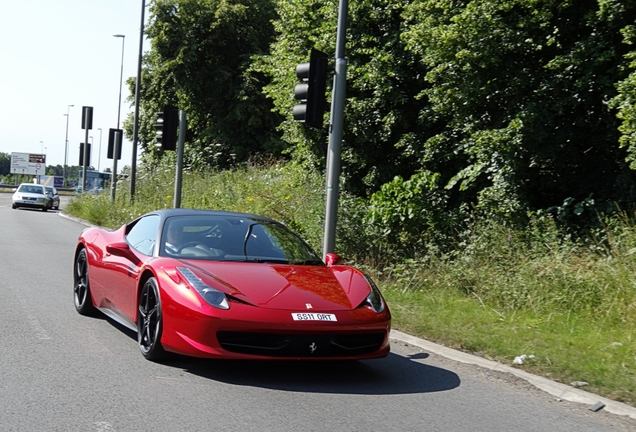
pixel 68 108
pixel 121 76
pixel 41 152
pixel 133 165
pixel 99 155
pixel 118 136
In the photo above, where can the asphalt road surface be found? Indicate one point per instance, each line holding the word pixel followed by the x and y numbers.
pixel 60 371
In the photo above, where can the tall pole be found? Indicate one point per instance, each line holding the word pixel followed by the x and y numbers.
pixel 90 163
pixel 118 135
pixel 179 170
pixel 335 133
pixel 99 155
pixel 113 175
pixel 121 76
pixel 133 165
pixel 87 114
pixel 68 111
pixel 42 151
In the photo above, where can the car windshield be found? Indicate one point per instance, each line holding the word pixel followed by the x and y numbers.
pixel 234 238
pixel 50 190
pixel 31 189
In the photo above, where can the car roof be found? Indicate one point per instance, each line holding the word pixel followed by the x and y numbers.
pixel 166 213
pixel 29 184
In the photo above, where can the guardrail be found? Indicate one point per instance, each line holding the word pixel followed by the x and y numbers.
pixel 9 188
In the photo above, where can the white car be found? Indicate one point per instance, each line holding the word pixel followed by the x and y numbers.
pixel 32 196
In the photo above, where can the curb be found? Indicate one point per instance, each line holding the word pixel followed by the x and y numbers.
pixel 73 218
pixel 559 390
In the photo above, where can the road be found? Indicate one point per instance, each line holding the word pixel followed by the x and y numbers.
pixel 65 372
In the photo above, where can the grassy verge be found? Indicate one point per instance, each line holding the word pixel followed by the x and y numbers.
pixel 569 306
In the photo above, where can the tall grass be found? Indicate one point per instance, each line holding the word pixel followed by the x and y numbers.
pixel 501 293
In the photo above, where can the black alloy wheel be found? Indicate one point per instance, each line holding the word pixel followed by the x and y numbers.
pixel 81 289
pixel 149 322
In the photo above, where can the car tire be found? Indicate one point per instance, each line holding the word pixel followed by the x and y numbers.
pixel 150 322
pixel 45 208
pixel 81 287
pixel 13 206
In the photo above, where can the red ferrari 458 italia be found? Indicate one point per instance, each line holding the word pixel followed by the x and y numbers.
pixel 228 285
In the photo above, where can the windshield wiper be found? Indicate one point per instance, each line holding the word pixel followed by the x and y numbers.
pixel 308 262
pixel 268 260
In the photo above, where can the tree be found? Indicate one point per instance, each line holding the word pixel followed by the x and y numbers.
pixel 5 164
pixel 381 118
pixel 524 86
pixel 199 62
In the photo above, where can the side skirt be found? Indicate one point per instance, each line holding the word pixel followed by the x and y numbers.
pixel 119 319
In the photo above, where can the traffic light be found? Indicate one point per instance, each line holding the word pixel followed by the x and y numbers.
pixel 111 143
pixel 88 154
pixel 166 126
pixel 312 91
pixel 87 117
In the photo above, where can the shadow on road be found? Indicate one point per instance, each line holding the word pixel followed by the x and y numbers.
pixel 392 375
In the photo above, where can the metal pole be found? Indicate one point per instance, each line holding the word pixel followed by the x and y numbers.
pixel 99 155
pixel 41 151
pixel 85 158
pixel 113 176
pixel 121 75
pixel 335 133
pixel 179 171
pixel 68 111
pixel 133 165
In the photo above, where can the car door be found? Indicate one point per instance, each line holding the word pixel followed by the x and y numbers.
pixel 141 239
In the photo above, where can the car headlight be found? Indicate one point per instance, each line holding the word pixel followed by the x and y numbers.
pixel 374 299
pixel 213 296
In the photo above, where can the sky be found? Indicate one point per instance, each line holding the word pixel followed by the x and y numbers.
pixel 56 53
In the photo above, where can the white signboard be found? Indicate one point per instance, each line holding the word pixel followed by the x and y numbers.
pixel 28 163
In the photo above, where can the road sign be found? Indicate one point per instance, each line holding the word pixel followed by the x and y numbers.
pixel 27 163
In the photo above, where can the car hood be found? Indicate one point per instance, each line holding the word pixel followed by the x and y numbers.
pixel 283 286
pixel 29 195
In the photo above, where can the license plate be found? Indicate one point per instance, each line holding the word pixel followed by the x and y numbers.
pixel 304 316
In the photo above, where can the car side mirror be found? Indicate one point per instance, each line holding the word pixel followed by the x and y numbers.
pixel 332 259
pixel 121 249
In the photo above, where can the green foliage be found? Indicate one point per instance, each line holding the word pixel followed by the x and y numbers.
pixel 287 193
pixel 523 85
pixel 382 78
pixel 506 292
pixel 483 109
pixel 412 216
pixel 5 164
pixel 199 62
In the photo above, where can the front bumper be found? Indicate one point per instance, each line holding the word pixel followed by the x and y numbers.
pixel 249 332
pixel 40 203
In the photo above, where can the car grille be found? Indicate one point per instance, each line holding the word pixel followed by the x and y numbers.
pixel 301 345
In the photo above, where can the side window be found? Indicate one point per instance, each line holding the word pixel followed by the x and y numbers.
pixel 143 236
